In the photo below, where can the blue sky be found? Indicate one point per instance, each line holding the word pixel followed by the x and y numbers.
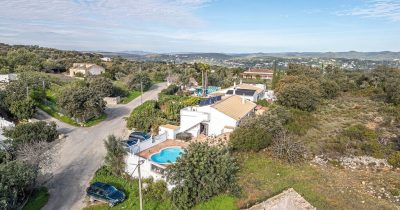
pixel 230 26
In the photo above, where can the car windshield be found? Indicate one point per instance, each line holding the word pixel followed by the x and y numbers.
pixel 110 190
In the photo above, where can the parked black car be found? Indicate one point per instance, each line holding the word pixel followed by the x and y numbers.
pixel 106 193
pixel 139 136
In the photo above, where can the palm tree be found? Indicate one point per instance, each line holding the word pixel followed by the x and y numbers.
pixel 115 158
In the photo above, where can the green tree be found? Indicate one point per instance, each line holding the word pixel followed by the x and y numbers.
pixel 81 103
pixel 250 136
pixel 133 81
pixel 299 96
pixel 32 132
pixel 16 178
pixel 202 172
pixel 101 86
pixel 115 158
pixel 144 116
pixel 23 109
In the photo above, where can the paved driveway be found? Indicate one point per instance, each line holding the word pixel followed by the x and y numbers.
pixel 82 153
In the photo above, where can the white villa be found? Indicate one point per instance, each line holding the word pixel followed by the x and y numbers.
pixel 86 69
pixel 248 91
pixel 214 119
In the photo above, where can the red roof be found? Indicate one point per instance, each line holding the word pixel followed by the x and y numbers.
pixel 259 71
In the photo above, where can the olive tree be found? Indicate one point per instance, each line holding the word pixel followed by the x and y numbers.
pixel 81 103
pixel 202 172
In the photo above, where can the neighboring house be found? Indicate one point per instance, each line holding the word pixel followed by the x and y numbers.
pixel 248 91
pixel 86 69
pixel 221 117
pixel 3 125
pixel 254 73
pixel 105 59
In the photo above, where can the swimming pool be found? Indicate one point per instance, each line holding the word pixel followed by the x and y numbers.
pixel 167 155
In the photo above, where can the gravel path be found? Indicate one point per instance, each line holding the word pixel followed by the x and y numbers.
pixel 82 153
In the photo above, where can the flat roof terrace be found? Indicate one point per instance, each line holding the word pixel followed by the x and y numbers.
pixel 168 143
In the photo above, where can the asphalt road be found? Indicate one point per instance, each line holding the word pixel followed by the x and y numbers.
pixel 82 153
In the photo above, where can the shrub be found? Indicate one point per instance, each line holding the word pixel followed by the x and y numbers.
pixel 249 138
pixel 287 148
pixel 144 116
pixel 394 159
pixel 330 89
pixel 263 102
pixel 16 178
pixel 32 132
pixel 157 190
pixel 170 90
pixel 299 96
pixel 202 172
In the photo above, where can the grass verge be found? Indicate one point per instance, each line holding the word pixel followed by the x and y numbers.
pixel 132 95
pixel 37 200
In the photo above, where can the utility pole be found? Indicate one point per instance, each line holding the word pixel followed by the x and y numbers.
pixel 141 85
pixel 27 91
pixel 140 183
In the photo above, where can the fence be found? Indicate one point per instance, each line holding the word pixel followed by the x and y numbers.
pixel 149 143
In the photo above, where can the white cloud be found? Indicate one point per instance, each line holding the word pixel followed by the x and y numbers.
pixel 389 9
pixel 104 11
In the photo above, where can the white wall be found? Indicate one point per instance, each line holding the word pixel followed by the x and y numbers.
pixel 218 121
pixel 191 116
pixel 171 133
pixel 96 70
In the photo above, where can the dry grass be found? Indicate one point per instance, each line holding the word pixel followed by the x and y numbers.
pixel 324 187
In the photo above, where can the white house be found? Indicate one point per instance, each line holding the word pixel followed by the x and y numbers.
pixel 248 91
pixel 215 119
pixel 6 78
pixel 86 69
pixel 105 59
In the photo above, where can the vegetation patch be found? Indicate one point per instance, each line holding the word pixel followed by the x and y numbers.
pixel 38 199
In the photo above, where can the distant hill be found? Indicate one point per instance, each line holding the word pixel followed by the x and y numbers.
pixel 141 55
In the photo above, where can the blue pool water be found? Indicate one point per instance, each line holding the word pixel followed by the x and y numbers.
pixel 210 89
pixel 167 155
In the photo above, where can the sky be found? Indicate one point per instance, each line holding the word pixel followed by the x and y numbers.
pixel 226 26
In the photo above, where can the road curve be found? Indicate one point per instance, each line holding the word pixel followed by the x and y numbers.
pixel 82 153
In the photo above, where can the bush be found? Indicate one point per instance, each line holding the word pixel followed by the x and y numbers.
pixel 394 159
pixel 263 103
pixel 184 136
pixel 16 178
pixel 330 89
pixel 287 148
pixel 202 172
pixel 250 138
pixel 144 116
pixel 32 132
pixel 170 90
pixel 157 190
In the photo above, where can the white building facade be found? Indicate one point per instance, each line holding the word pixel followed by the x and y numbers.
pixel 215 119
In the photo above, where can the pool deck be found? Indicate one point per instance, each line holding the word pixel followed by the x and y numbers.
pixel 168 143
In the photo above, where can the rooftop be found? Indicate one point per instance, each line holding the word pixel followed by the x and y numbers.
pixel 288 199
pixel 258 71
pixel 234 106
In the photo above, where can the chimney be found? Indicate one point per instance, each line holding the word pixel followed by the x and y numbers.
pixel 241 81
pixel 243 100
